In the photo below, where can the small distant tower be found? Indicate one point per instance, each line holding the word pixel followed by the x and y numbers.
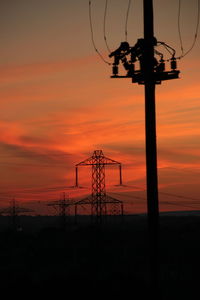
pixel 14 212
pixel 99 199
pixel 62 206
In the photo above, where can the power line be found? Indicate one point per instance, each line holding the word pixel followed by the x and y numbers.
pixel 196 30
pixel 163 193
pixel 162 202
pixel 179 196
pixel 104 25
pixel 126 22
pixel 128 196
pixel 170 50
pixel 178 204
pixel 92 36
pixel 179 27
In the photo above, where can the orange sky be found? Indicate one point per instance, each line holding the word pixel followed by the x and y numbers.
pixel 58 104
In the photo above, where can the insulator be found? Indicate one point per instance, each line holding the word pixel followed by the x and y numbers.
pixel 126 65
pixel 115 70
pixel 173 64
pixel 161 66
pixel 116 60
pixel 133 57
pixel 131 70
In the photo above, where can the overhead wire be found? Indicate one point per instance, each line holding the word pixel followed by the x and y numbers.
pixel 92 35
pixel 163 202
pixel 196 30
pixel 168 48
pixel 128 196
pixel 104 25
pixel 179 27
pixel 126 22
pixel 179 196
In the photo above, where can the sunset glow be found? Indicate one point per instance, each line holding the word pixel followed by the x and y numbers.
pixel 58 105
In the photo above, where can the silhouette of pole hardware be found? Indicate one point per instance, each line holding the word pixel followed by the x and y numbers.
pixel 99 199
pixel 128 56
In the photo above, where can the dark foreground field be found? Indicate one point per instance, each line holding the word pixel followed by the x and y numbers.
pixel 108 261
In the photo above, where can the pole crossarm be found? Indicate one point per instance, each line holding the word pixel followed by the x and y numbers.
pixel 134 59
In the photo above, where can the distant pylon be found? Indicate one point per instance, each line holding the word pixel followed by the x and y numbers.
pixel 98 162
pixel 98 198
pixel 14 212
pixel 62 206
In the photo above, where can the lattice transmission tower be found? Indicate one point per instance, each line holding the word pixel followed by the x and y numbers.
pixel 62 207
pixel 14 211
pixel 98 199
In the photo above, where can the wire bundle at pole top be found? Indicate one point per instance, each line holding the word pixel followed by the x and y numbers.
pixel 183 54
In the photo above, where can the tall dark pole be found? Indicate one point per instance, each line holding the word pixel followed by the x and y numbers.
pixel 151 149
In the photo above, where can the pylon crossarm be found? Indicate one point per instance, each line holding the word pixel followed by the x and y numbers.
pixel 59 203
pixel 110 199
pixel 8 210
pixel 96 164
pixel 21 209
pixel 86 200
pixel 86 162
pixel 53 203
pixel 5 210
pixel 54 206
pixel 109 161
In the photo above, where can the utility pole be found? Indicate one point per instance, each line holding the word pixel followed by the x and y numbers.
pixel 151 147
pixel 150 114
pixel 151 72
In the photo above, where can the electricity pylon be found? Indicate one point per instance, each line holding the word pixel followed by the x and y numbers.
pixel 99 199
pixel 14 211
pixel 62 206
